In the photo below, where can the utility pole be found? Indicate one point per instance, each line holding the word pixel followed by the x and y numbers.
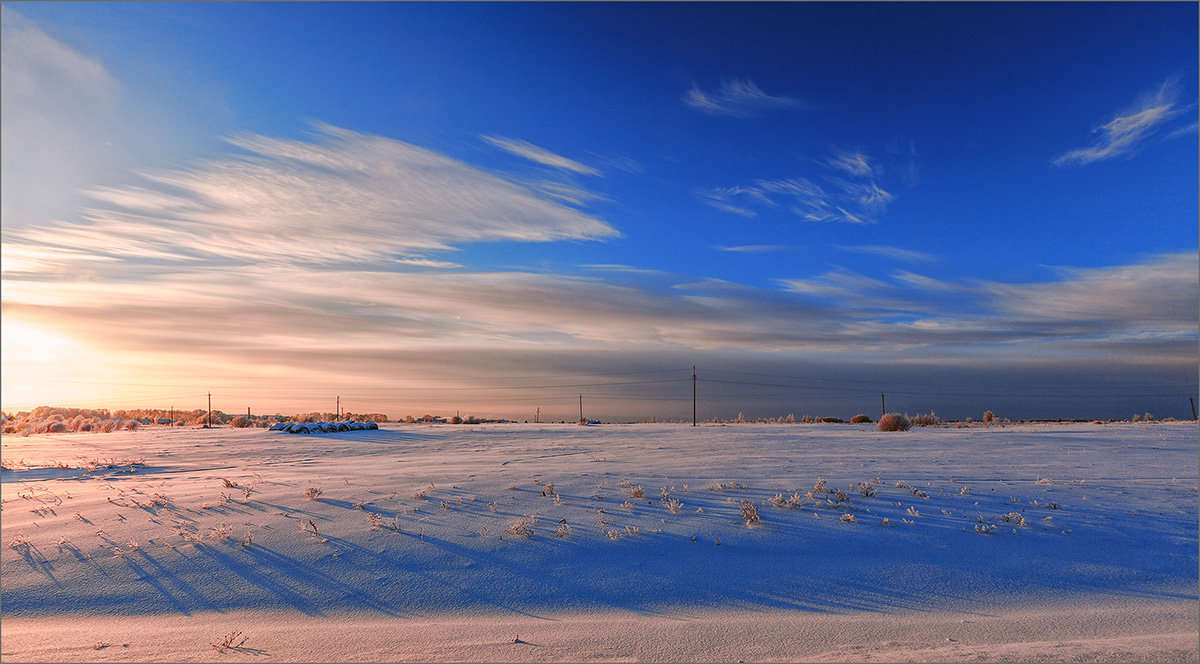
pixel 1193 402
pixel 172 414
pixel 208 424
pixel 580 407
pixel 247 412
pixel 339 407
pixel 693 395
pixel 537 415
pixel 882 404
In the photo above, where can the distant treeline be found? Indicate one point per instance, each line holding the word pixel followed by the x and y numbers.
pixel 58 419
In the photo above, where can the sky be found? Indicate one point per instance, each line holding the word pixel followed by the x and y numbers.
pixel 499 208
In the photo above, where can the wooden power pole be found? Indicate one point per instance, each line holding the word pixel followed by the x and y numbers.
pixel 209 422
pixel 580 407
pixel 1193 402
pixel 693 395
pixel 882 405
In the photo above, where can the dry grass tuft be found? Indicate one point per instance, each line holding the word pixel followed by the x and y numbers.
pixel 926 420
pixel 749 513
pixel 312 493
pixel 522 529
pixel 231 642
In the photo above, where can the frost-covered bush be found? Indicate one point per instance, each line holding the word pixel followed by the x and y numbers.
pixel 240 422
pixel 926 420
pixel 860 419
pixel 989 416
pixel 894 422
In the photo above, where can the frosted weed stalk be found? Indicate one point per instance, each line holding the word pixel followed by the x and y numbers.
pixel 749 513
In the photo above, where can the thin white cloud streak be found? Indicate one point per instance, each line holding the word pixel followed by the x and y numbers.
pixel 752 248
pixel 855 163
pixel 852 194
pixel 896 253
pixel 1128 129
pixel 56 123
pixel 343 196
pixel 31 57
pixel 740 99
pixel 540 155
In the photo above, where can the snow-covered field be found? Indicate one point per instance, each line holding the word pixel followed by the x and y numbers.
pixel 611 542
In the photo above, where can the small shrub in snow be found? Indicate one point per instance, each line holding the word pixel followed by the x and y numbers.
pixel 312 493
pixel 637 492
pixel 564 529
pixel 985 529
pixel 865 490
pixel 848 518
pixel 894 422
pixel 860 419
pixel 989 416
pixel 927 420
pixel 1014 518
pixel 674 506
pixel 521 529
pixel 749 513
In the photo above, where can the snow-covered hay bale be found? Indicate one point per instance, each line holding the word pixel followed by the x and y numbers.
pixel 322 427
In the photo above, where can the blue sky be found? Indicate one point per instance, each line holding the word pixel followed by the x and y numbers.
pixel 415 201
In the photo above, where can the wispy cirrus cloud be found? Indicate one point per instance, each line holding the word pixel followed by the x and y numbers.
pixel 897 253
pixel 849 192
pixel 1153 301
pixel 1129 129
pixel 739 99
pixel 752 248
pixel 540 155
pixel 31 56
pixel 341 196
pixel 58 118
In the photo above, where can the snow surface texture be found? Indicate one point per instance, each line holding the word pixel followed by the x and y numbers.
pixel 516 525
